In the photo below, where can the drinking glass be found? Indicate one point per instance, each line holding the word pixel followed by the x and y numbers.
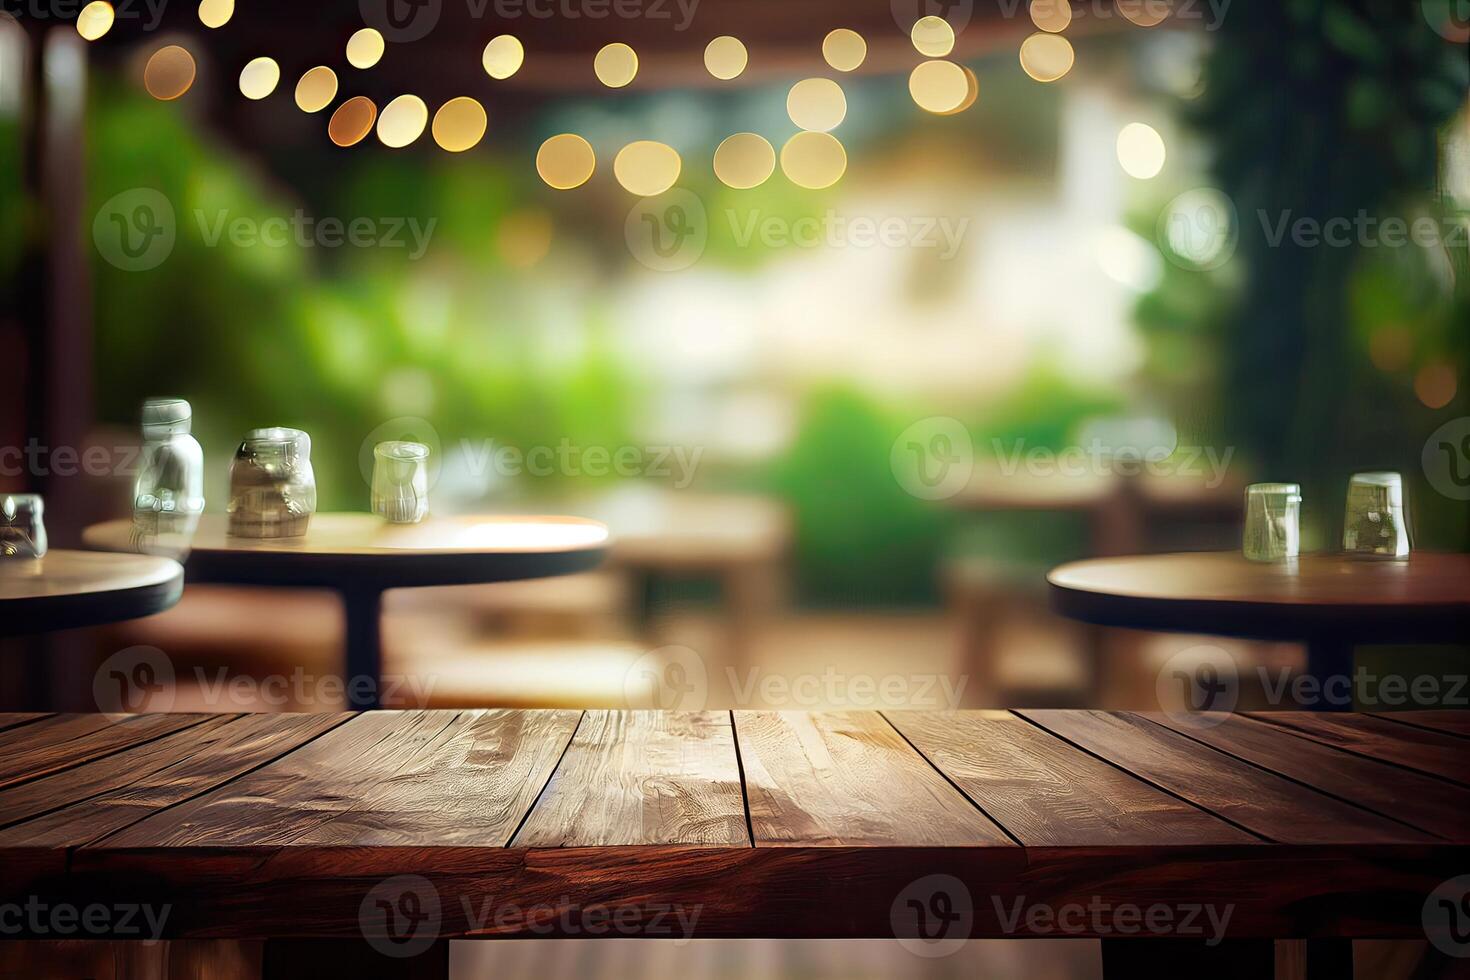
pixel 1272 521
pixel 168 495
pixel 400 488
pixel 272 486
pixel 1377 522
pixel 22 531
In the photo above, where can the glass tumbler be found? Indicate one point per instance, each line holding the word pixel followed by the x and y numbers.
pixel 272 486
pixel 1377 522
pixel 1272 521
pixel 22 531
pixel 400 488
pixel 168 496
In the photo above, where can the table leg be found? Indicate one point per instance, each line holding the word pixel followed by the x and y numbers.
pixel 364 609
pixel 1330 662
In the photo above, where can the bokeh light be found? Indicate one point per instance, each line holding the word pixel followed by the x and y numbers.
pixel 1435 384
pixel 259 78
pixel 352 121
pixel 1141 150
pixel 316 89
pixel 503 56
pixel 939 86
pixel 844 49
pixel 565 161
pixel 725 57
pixel 616 65
pixel 459 124
pixel 216 13
pixel 647 168
pixel 813 160
pixel 816 104
pixel 1144 13
pixel 1046 57
pixel 932 36
pixel 972 92
pixel 95 20
pixel 1051 15
pixel 169 72
pixel 744 160
pixel 402 121
pixel 365 48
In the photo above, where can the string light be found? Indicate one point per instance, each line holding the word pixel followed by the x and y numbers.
pixel 813 160
pixel 615 65
pixel 725 57
pixel 816 104
pixel 844 50
pixel 402 121
pixel 647 168
pixel 459 124
pixel 259 78
pixel 565 161
pixel 744 160
pixel 169 73
pixel 932 36
pixel 503 56
pixel 216 13
pixel 1046 57
pixel 316 89
pixel 352 121
pixel 95 20
pixel 365 48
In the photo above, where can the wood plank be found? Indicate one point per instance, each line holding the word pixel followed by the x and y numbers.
pixel 84 804
pixel 1450 721
pixel 643 777
pixel 1422 801
pixel 426 778
pixel 1261 802
pixel 1049 793
pixel 66 741
pixel 836 778
pixel 14 719
pixel 754 892
pixel 1403 745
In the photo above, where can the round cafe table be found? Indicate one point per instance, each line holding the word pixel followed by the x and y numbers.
pixel 66 589
pixel 1328 602
pixel 360 557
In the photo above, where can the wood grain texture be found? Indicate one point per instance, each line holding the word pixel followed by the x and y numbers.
pixel 1261 802
pixel 81 805
pixel 1430 804
pixel 437 778
pixel 1439 755
pixel 847 778
pixel 1048 793
pixel 14 719
pixel 643 777
pixel 1450 721
pixel 65 741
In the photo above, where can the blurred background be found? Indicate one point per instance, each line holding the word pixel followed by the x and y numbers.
pixel 840 432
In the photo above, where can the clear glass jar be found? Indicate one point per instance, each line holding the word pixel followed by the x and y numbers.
pixel 1272 521
pixel 22 531
pixel 1376 524
pixel 400 490
pixel 272 486
pixel 168 496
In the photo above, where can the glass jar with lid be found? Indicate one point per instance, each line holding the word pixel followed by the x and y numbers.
pixel 168 495
pixel 22 530
pixel 272 486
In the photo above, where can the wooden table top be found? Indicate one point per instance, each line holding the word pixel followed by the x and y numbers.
pixel 65 589
pixel 347 549
pixel 768 823
pixel 1423 599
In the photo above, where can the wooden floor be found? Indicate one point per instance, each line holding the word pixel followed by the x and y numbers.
pixel 743 824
